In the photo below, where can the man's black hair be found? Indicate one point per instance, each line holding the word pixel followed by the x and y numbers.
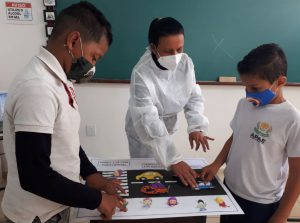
pixel 85 18
pixel 160 27
pixel 268 61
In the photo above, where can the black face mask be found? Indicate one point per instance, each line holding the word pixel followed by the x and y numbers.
pixel 81 70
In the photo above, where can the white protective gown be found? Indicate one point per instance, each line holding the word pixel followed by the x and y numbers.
pixel 156 96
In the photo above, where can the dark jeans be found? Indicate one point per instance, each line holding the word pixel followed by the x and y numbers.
pixel 254 212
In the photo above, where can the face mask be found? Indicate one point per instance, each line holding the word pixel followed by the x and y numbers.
pixel 169 62
pixel 260 98
pixel 81 70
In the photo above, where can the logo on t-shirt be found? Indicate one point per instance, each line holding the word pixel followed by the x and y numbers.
pixel 261 131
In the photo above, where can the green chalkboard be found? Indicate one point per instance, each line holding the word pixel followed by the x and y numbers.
pixel 218 33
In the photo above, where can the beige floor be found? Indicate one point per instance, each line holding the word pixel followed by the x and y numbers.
pixel 214 219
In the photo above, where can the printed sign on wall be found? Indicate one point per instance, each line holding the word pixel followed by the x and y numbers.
pixel 19 11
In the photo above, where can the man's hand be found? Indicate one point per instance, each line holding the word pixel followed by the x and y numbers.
pixel 199 138
pixel 112 187
pixel 209 172
pixel 185 173
pixel 108 206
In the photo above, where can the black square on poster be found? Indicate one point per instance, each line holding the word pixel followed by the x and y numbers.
pixel 175 189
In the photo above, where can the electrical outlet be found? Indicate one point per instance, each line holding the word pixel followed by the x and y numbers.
pixel 90 130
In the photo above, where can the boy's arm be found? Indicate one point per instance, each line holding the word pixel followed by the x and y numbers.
pixel 291 193
pixel 211 170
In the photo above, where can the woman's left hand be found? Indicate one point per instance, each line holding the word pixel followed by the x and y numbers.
pixel 199 138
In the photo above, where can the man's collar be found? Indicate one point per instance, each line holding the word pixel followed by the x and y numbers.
pixel 50 60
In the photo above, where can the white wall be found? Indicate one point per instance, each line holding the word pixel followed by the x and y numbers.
pixel 18 43
pixel 105 105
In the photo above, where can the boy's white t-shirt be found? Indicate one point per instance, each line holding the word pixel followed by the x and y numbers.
pixel 263 139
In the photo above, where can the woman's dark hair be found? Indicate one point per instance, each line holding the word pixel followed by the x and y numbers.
pixel 85 18
pixel 160 27
pixel 268 61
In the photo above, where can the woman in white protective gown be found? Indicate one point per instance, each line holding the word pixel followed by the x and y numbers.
pixel 163 84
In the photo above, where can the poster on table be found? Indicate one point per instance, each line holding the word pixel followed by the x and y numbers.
pixel 152 192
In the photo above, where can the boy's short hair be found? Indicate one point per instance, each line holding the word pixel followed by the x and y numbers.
pixel 268 61
pixel 84 18
pixel 160 27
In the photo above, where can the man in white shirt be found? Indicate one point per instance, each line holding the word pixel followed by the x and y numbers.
pixel 41 124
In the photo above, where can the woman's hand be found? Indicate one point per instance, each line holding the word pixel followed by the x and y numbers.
pixel 185 173
pixel 199 138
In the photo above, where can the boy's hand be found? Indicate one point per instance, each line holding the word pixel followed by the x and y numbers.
pixel 199 138
pixel 185 173
pixel 209 172
pixel 108 206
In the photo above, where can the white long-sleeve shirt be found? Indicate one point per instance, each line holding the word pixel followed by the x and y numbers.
pixel 156 97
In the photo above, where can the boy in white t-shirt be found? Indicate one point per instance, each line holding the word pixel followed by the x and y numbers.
pixel 262 155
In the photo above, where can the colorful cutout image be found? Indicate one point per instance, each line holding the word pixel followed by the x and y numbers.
pixel 204 185
pixel 155 188
pixel 172 201
pixel 201 205
pixel 221 202
pixel 149 175
pixel 124 203
pixel 118 173
pixel 147 202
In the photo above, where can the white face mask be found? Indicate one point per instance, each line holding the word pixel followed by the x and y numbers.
pixel 170 62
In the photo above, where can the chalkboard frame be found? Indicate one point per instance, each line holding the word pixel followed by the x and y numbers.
pixel 289 84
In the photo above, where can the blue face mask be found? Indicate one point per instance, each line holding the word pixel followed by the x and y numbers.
pixel 260 98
